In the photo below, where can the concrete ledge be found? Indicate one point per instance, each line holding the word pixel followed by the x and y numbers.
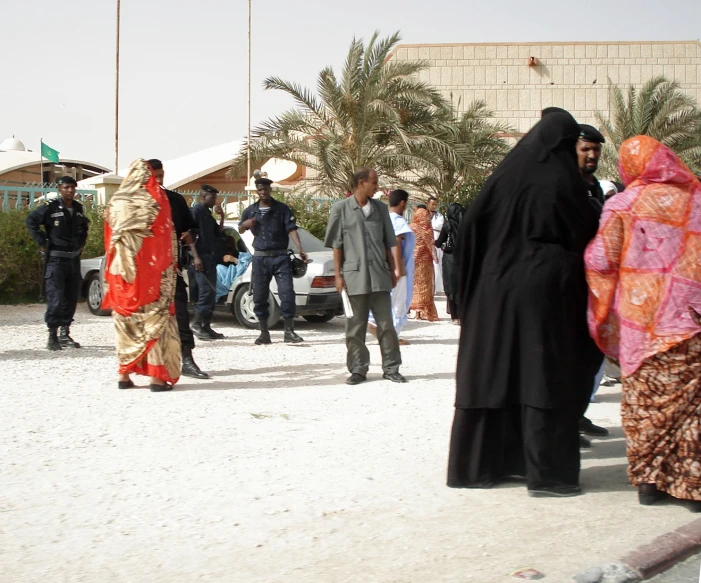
pixel 649 560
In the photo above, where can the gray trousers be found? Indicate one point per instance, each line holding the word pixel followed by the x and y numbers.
pixel 358 358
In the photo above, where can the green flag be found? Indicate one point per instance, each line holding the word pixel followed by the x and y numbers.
pixel 49 153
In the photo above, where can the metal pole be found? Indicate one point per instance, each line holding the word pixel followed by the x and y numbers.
pixel 248 142
pixel 116 98
pixel 41 165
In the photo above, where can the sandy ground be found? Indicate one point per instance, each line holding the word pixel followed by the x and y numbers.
pixel 275 470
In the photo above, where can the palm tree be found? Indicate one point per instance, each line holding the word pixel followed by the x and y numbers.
pixel 377 114
pixel 660 110
pixel 479 145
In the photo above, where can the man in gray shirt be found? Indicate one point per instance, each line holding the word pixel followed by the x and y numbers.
pixel 361 235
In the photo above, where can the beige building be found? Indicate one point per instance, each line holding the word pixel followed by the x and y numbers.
pixel 518 80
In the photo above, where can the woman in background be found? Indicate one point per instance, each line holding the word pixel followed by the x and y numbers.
pixel 447 241
pixel 424 257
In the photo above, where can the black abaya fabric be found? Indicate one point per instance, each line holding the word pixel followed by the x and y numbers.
pixel 490 445
pixel 522 292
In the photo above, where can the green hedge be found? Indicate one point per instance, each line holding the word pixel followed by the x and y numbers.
pixel 20 261
pixel 310 214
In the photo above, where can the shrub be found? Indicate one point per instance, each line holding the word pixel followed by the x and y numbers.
pixel 20 261
pixel 21 266
pixel 310 213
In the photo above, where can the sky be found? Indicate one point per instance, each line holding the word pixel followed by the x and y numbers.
pixel 184 64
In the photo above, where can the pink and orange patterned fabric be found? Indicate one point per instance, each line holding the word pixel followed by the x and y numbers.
pixel 644 265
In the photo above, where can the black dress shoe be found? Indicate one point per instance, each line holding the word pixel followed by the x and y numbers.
pixel 584 443
pixel 190 369
pixel 65 339
pixel 588 428
pixel 395 377
pixel 125 384
pixel 355 379
pixel 648 494
pixel 160 388
pixel 555 492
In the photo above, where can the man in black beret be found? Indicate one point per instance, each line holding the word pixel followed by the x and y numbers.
pixel 273 225
pixel 588 154
pixel 61 243
pixel 185 229
pixel 209 248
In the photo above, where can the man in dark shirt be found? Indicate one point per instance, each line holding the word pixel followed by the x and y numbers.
pixel 209 247
pixel 183 225
pixel 273 225
pixel 588 154
pixel 61 242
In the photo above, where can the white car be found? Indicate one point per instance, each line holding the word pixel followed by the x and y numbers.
pixel 316 296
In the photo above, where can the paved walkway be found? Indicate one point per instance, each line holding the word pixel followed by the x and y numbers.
pixel 275 470
pixel 687 572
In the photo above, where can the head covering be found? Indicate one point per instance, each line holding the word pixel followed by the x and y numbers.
pixel 590 134
pixel 549 110
pixel 67 180
pixel 520 253
pixel 453 218
pixel 209 189
pixel 421 218
pixel 264 181
pixel 140 273
pixel 643 266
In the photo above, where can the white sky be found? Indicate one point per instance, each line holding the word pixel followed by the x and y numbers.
pixel 183 64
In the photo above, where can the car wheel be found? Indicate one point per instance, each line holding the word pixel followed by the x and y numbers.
pixel 94 296
pixel 320 318
pixel 243 308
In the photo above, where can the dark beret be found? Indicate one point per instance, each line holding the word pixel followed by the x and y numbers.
pixel 209 189
pixel 263 181
pixel 67 180
pixel 590 134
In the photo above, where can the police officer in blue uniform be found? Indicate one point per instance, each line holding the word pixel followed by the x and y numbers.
pixel 61 242
pixel 210 249
pixel 272 224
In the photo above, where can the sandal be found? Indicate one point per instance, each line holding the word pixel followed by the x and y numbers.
pixel 125 384
pixel 160 388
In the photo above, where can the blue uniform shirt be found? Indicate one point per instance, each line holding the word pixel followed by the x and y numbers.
pixel 272 228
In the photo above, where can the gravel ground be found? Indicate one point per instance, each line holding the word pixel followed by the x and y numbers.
pixel 275 470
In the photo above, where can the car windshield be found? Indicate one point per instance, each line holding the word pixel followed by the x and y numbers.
pixel 309 242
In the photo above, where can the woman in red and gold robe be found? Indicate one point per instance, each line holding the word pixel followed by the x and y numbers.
pixel 141 255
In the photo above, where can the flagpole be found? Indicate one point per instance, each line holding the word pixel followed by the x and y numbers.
pixel 41 164
pixel 116 97
pixel 248 142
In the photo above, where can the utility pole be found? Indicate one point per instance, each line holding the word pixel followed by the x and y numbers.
pixel 248 142
pixel 116 98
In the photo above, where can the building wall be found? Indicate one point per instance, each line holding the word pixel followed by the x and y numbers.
pixel 574 76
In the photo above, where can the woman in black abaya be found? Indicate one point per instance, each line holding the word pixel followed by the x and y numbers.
pixel 447 241
pixel 526 363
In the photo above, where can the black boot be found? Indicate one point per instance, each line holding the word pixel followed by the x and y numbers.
pixel 53 343
pixel 190 368
pixel 290 334
pixel 207 327
pixel 198 330
pixel 264 337
pixel 65 338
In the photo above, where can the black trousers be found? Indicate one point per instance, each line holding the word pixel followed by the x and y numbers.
pixel 206 287
pixel 187 338
pixel 264 269
pixel 489 445
pixel 62 282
